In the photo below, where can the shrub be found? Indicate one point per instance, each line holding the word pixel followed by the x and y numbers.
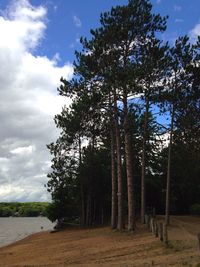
pixel 195 209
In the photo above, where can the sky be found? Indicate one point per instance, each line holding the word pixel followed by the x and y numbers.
pixel 37 43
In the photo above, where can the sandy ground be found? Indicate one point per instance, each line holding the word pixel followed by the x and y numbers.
pixel 106 248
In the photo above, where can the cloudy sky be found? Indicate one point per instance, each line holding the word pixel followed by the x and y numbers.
pixel 37 43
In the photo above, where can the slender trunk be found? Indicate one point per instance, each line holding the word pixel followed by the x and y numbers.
pixel 120 224
pixel 79 149
pixel 90 217
pixel 129 171
pixel 88 211
pixel 90 189
pixel 113 173
pixel 102 216
pixel 83 217
pixel 94 212
pixel 143 184
pixel 167 209
pixel 81 185
pixel 129 166
pixel 114 184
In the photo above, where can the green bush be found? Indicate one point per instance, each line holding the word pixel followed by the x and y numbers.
pixel 5 212
pixel 53 212
pixel 195 209
pixel 59 210
pixel 26 211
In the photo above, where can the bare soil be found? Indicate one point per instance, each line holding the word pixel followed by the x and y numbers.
pixel 106 248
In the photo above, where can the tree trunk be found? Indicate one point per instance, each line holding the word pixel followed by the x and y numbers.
pixel 83 217
pixel 94 212
pixel 143 187
pixel 129 171
pixel 113 172
pixel 102 216
pixel 167 208
pixel 114 184
pixel 89 210
pixel 120 224
pixel 129 166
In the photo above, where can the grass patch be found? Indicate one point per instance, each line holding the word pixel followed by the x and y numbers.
pixel 177 246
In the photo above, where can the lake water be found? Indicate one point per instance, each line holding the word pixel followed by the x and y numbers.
pixel 13 228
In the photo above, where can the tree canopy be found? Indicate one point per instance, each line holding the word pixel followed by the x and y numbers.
pixel 130 138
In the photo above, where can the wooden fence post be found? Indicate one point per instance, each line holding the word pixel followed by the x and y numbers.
pixel 148 221
pixel 154 226
pixel 165 233
pixel 151 225
pixel 161 231
pixel 156 229
pixel 154 212
pixel 198 237
pixel 146 218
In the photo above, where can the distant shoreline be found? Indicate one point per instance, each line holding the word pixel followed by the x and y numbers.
pixel 23 209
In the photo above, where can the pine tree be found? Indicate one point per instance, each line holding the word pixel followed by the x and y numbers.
pixel 181 56
pixel 126 29
pixel 152 68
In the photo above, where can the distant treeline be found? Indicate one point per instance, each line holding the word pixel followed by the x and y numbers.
pixel 27 209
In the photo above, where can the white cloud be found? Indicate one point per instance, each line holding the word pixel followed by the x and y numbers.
pixel 23 150
pixel 158 1
pixel 28 101
pixel 77 21
pixel 22 26
pixel 195 32
pixel 177 8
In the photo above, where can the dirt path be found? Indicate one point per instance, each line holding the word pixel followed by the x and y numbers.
pixel 105 248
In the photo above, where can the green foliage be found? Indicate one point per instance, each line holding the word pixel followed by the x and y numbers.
pixel 26 209
pixel 54 211
pixel 5 211
pixel 195 209
pixel 125 59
